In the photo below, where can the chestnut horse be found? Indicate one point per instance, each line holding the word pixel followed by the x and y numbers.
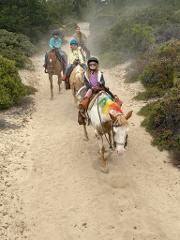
pixel 54 67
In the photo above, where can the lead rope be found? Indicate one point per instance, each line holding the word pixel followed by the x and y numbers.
pixel 98 109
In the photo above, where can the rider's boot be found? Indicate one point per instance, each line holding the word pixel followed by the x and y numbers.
pixel 67 83
pixel 83 106
pixel 64 77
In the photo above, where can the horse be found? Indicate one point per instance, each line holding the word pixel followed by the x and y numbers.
pixel 76 80
pixel 54 67
pixel 108 120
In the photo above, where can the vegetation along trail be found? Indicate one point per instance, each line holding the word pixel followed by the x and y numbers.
pixel 65 196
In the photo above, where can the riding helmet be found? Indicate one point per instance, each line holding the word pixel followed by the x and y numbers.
pixel 93 59
pixel 73 42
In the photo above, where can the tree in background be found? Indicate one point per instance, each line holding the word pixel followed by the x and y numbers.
pixel 24 16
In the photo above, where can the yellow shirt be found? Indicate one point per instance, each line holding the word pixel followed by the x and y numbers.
pixel 76 55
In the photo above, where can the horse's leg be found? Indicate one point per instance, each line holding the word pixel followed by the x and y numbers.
pixel 104 163
pixel 59 82
pixel 51 86
pixel 85 133
pixel 110 140
pixel 74 94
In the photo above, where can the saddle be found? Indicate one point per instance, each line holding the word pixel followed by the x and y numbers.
pixel 85 105
pixel 67 83
pixel 93 98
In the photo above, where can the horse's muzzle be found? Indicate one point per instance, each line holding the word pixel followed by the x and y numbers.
pixel 120 149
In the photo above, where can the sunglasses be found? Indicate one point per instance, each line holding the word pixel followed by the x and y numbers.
pixel 92 64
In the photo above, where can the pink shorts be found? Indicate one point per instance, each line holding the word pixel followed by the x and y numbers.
pixel 88 93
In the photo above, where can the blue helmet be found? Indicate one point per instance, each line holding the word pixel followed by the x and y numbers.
pixel 74 42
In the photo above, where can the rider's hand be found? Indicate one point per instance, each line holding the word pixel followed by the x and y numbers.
pixel 76 61
pixel 96 89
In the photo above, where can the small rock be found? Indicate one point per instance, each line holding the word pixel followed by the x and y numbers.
pixel 84 225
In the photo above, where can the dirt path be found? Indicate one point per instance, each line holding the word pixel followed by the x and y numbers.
pixel 64 195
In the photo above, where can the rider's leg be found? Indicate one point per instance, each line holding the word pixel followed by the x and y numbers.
pixel 88 93
pixel 45 60
pixel 61 57
pixel 83 106
pixel 68 71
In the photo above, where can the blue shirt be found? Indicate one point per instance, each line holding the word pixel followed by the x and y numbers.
pixel 55 43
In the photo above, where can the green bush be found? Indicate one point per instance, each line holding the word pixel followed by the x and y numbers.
pixel 135 32
pixel 16 47
pixel 162 120
pixel 29 17
pixel 11 87
pixel 158 70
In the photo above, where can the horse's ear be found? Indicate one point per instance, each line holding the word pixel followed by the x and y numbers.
pixel 128 115
pixel 112 117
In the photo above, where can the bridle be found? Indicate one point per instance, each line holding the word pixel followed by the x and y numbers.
pixel 115 143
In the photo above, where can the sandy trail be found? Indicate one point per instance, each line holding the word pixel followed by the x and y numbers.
pixel 65 196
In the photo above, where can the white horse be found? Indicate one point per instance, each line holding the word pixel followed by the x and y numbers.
pixel 109 121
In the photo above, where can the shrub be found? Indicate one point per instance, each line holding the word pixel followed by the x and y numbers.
pixel 24 16
pixel 16 47
pixel 162 120
pixel 12 89
pixel 160 70
pixel 133 33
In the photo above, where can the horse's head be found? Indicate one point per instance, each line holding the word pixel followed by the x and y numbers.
pixel 120 130
pixel 52 57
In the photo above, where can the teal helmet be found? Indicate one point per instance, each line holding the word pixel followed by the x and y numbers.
pixel 74 42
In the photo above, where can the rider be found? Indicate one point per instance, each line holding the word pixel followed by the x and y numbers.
pixel 82 40
pixel 94 82
pixel 75 57
pixel 56 43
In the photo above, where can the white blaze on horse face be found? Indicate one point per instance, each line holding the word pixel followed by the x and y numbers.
pixel 120 135
pixel 50 60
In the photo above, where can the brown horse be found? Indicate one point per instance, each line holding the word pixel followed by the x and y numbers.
pixel 54 67
pixel 76 80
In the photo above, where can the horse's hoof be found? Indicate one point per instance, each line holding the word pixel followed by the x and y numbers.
pixel 104 169
pixel 86 139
